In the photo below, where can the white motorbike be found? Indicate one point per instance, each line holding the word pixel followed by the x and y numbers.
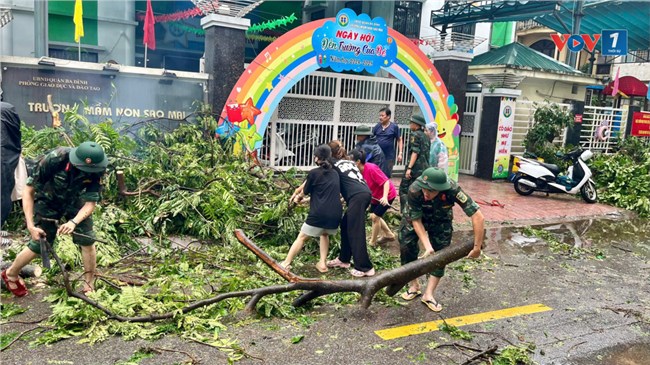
pixel 534 176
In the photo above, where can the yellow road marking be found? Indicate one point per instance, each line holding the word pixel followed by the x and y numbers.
pixel 419 328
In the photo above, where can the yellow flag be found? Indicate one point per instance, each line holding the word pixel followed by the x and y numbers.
pixel 78 21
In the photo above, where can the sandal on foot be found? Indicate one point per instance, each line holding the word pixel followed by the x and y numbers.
pixel 20 290
pixel 432 305
pixel 410 295
pixel 337 263
pixel 322 269
pixel 360 274
pixel 288 267
pixel 383 240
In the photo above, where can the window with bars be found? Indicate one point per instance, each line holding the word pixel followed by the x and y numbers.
pixel 407 18
pixel 72 53
pixel 637 56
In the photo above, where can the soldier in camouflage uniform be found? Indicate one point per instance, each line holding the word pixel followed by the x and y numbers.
pixel 428 218
pixel 64 183
pixel 417 157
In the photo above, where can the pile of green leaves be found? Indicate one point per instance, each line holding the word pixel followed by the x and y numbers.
pixel 623 178
pixel 202 193
pixel 513 355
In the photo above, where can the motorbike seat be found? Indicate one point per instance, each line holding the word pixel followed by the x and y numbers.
pixel 552 168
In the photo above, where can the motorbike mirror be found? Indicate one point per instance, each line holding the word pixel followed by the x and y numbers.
pixel 559 154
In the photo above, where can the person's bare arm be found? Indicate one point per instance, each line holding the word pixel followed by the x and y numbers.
pixel 400 143
pixel 85 212
pixel 414 158
pixel 478 225
pixel 423 237
pixel 28 209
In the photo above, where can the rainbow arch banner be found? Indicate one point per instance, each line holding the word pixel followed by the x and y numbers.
pixel 302 51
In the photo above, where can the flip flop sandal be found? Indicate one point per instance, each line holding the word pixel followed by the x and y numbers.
pixel 361 274
pixel 322 269
pixel 383 240
pixel 337 263
pixel 20 290
pixel 432 305
pixel 410 295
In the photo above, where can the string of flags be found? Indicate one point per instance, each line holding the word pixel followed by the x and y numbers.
pixel 424 42
pixel 174 17
pixel 272 24
pixel 201 32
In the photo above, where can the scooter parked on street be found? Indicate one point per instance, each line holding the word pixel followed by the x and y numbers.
pixel 534 176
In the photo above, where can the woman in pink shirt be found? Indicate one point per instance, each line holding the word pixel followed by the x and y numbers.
pixel 383 193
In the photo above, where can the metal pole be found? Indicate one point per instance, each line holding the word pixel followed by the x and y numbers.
pixel 145 55
pixel 577 17
pixel 79 48
pixel 40 28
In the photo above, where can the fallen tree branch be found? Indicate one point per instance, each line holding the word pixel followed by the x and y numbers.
pixel 238 350
pixel 489 351
pixel 392 280
pixel 25 322
pixel 121 187
pixel 192 360
pixel 19 336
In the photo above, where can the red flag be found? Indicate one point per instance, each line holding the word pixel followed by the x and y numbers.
pixel 149 39
pixel 615 87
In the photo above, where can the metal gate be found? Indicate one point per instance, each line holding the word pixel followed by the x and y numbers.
pixel 602 128
pixel 470 127
pixel 325 106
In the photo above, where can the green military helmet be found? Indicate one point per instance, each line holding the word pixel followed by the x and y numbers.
pixel 434 178
pixel 89 157
pixel 419 120
pixel 363 130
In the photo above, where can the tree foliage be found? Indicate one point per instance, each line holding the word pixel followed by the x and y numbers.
pixel 623 178
pixel 202 194
pixel 549 122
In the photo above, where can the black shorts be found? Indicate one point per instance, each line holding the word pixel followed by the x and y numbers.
pixel 378 209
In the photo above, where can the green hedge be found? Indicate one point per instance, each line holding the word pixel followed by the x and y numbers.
pixel 623 178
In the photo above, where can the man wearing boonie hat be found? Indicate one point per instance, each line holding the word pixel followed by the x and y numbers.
pixel 427 217
pixel 368 143
pixel 66 183
pixel 417 158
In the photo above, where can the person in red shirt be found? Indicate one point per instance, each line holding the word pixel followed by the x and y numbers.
pixel 383 193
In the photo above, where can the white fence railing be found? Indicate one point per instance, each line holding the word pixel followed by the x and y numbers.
pixel 602 128
pixel 524 121
pixel 324 106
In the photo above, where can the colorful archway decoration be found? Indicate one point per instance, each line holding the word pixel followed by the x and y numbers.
pixel 293 56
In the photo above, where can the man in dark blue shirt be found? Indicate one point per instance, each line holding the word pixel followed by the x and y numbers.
pixel 387 133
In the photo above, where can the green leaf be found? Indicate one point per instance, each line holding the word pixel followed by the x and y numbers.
pixel 297 339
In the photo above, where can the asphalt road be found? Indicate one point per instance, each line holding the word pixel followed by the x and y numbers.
pixel 600 312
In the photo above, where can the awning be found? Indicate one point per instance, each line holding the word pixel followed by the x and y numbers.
pixel 598 15
pixel 628 85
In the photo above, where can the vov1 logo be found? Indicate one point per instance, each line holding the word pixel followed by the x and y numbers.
pixel 576 42
pixel 613 42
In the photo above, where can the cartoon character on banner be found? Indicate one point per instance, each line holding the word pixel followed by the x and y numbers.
pixel 449 129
